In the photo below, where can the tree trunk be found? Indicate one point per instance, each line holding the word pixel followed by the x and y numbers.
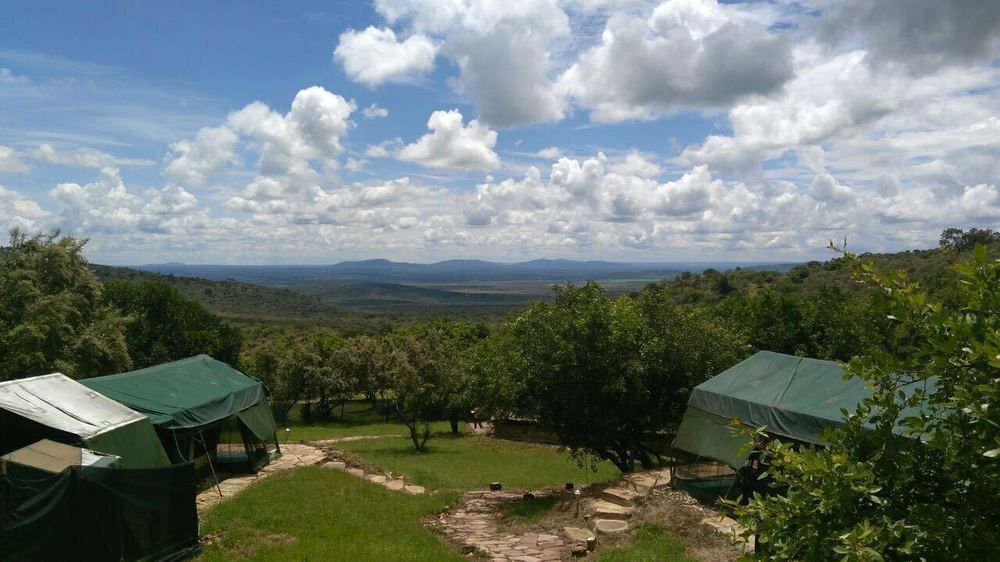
pixel 454 422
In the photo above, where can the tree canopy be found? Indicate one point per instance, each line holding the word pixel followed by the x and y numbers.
pixel 52 316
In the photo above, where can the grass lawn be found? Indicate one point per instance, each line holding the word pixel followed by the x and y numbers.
pixel 360 418
pixel 318 514
pixel 651 543
pixel 470 462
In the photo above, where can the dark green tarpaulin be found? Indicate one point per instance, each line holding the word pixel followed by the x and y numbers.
pixel 259 420
pixel 183 394
pixel 793 397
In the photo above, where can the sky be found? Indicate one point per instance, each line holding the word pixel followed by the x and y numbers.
pixel 422 130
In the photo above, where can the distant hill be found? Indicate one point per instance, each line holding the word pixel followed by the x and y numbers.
pixel 451 271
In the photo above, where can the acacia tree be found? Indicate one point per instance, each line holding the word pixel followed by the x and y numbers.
pixel 914 472
pixel 422 372
pixel 605 375
pixel 52 317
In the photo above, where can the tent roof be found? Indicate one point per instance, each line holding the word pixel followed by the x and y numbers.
pixel 183 394
pixel 59 402
pixel 796 397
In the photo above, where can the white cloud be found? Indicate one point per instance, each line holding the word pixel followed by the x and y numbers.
pixel 9 78
pixel 450 144
pixel 503 51
pixel 196 160
pixel 375 56
pixel 686 54
pixel 83 157
pixel 10 161
pixel 375 111
pixel 549 153
pixel 355 165
pixel 384 149
pixel 18 210
pixel 635 164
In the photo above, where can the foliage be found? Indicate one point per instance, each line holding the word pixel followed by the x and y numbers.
pixel 958 240
pixel 52 317
pixel 423 374
pixel 164 325
pixel 603 374
pixel 317 514
pixel 915 472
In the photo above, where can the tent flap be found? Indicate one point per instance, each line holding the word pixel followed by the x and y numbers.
pixel 710 436
pixel 259 420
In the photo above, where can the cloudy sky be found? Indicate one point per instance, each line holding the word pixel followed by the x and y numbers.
pixel 421 130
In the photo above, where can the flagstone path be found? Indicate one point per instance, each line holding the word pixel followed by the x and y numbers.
pixel 293 455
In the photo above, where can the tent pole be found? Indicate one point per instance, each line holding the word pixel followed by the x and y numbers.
pixel 204 446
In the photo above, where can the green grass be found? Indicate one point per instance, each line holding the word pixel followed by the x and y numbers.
pixel 528 511
pixel 651 543
pixel 360 418
pixel 471 462
pixel 317 514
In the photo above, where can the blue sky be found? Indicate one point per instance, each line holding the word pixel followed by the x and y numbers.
pixel 416 130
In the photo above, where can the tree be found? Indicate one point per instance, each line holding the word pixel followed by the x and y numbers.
pixel 52 317
pixel 164 325
pixel 958 240
pixel 605 375
pixel 422 372
pixel 914 472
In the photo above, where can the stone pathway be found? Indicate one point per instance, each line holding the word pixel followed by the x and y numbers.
pixel 350 438
pixel 293 455
pixel 384 480
pixel 485 428
pixel 473 524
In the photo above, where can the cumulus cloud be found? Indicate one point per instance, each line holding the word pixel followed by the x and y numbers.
pixel 286 145
pixel 686 54
pixel 450 144
pixel 18 210
pixel 10 161
pixel 83 157
pixel 375 56
pixel 921 35
pixel 375 111
pixel 549 153
pixel 194 161
pixel 503 51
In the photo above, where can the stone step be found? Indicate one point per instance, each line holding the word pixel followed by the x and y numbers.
pixel 413 489
pixel 609 526
pixel 336 465
pixel 395 485
pixel 607 510
pixel 576 534
pixel 620 496
pixel 376 478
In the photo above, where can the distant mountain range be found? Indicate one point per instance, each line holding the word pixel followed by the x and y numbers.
pixel 451 271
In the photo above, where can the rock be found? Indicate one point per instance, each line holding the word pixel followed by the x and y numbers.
pixel 577 534
pixel 336 465
pixel 395 485
pixel 356 472
pixel 607 510
pixel 592 543
pixel 412 489
pixel 570 486
pixel 580 551
pixel 619 496
pixel 376 478
pixel 528 496
pixel 610 526
pixel 495 486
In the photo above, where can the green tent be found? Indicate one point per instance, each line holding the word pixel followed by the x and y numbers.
pixel 190 400
pixel 58 408
pixel 795 398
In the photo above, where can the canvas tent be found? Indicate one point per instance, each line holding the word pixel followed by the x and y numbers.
pixel 191 401
pixel 795 398
pixel 60 409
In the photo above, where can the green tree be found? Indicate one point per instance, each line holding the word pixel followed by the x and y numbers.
pixel 52 317
pixel 914 473
pixel 605 375
pixel 164 325
pixel 424 374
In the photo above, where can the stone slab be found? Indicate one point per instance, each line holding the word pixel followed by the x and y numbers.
pixel 620 496
pixel 607 510
pixel 610 526
pixel 577 534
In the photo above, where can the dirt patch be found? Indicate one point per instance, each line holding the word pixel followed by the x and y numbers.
pixel 682 516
